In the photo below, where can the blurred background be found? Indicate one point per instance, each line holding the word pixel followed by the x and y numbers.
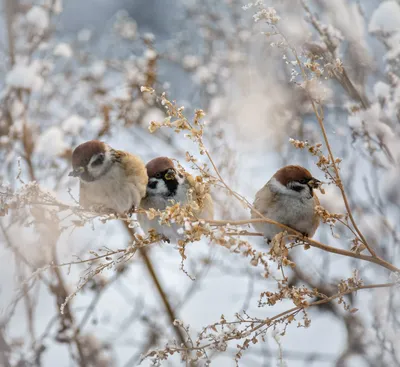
pixel 72 71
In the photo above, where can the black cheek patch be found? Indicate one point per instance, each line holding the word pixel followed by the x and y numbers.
pixel 98 161
pixel 297 188
pixel 152 184
pixel 172 186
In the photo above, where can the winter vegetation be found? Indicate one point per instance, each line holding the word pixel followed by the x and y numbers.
pixel 232 92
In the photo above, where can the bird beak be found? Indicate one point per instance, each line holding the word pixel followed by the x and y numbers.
pixel 76 172
pixel 170 175
pixel 314 183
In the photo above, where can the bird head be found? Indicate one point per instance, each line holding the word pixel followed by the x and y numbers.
pixel 296 181
pixel 91 160
pixel 163 177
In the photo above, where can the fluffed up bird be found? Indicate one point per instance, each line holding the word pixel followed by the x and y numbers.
pixel 165 187
pixel 288 198
pixel 109 179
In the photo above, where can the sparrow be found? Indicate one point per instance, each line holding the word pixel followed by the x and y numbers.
pixel 109 179
pixel 167 186
pixel 288 198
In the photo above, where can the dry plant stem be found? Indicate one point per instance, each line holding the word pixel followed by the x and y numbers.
pixel 346 83
pixel 339 182
pixel 311 242
pixel 267 322
pixel 9 14
pixel 67 312
pixel 168 308
pixel 5 350
pixel 61 289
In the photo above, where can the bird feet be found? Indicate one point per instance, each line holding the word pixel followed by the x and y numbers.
pixel 131 211
pixel 267 240
pixel 165 239
pixel 103 210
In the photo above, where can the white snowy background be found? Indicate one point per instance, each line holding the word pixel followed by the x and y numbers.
pixel 244 87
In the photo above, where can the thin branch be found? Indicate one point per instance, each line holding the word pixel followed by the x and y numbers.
pixel 154 277
pixel 311 242
pixel 9 15
pixel 268 322
pixel 339 182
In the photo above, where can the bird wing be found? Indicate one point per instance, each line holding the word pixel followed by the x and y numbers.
pixel 263 200
pixel 135 170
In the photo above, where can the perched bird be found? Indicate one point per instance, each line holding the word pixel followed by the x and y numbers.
pixel 288 198
pixel 167 186
pixel 109 179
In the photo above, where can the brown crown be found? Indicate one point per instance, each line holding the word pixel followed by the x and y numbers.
pixel 159 164
pixel 83 153
pixel 292 173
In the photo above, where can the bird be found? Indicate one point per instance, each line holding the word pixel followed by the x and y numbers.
pixel 110 179
pixel 165 187
pixel 288 198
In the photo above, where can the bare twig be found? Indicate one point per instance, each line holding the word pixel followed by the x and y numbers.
pixel 154 277
pixel 311 242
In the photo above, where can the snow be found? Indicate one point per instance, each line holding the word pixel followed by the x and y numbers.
pixel 394 43
pixel 97 69
pixel 122 93
pixel 24 77
pixel 55 5
pixel 382 90
pixel 152 114
pixel 63 49
pixel 150 54
pixel 190 62
pixel 203 75
pixel 332 200
pixel 217 106
pixel 370 119
pixel 17 108
pixel 51 142
pixel 386 17
pixel 96 123
pixel 38 17
pixel 149 37
pixel 84 35
pixel 73 124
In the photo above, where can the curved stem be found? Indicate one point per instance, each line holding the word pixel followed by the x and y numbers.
pixel 374 259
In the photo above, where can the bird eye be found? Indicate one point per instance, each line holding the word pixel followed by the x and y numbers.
pixel 303 181
pixel 99 160
pixel 158 175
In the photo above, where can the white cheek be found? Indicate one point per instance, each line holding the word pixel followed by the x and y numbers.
pixel 95 171
pixel 276 186
pixel 161 188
